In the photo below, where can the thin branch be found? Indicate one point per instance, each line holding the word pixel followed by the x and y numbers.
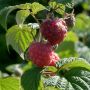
pixel 35 19
pixel 39 33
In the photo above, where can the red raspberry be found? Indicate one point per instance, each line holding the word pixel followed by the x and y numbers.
pixel 54 30
pixel 42 54
pixel 55 58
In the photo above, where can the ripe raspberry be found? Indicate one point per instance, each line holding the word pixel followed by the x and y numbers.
pixel 42 54
pixel 54 30
pixel 55 58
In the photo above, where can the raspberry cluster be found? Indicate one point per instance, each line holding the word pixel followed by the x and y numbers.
pixel 42 53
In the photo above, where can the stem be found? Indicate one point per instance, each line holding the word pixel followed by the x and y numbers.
pixel 33 36
pixel 35 19
pixel 39 33
pixel 49 73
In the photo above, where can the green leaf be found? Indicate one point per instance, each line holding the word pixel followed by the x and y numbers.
pixel 71 36
pixel 66 48
pixel 52 81
pixel 78 78
pixel 86 5
pixel 82 24
pixel 9 83
pixel 4 15
pixel 21 16
pixel 73 74
pixel 69 63
pixel 74 79
pixel 59 8
pixel 26 6
pixel 31 79
pixel 20 38
pixel 36 7
pixel 56 81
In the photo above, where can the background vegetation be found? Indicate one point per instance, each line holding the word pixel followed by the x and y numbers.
pixel 77 44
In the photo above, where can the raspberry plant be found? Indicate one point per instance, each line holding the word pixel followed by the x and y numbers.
pixel 37 45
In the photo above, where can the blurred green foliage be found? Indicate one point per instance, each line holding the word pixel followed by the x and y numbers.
pixel 67 47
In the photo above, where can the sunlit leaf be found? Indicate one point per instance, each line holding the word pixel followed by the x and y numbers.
pixel 69 63
pixel 36 7
pixel 20 38
pixel 9 83
pixel 67 47
pixel 59 8
pixel 21 16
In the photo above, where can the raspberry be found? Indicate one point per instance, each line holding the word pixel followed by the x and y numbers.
pixel 54 30
pixel 55 58
pixel 42 54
